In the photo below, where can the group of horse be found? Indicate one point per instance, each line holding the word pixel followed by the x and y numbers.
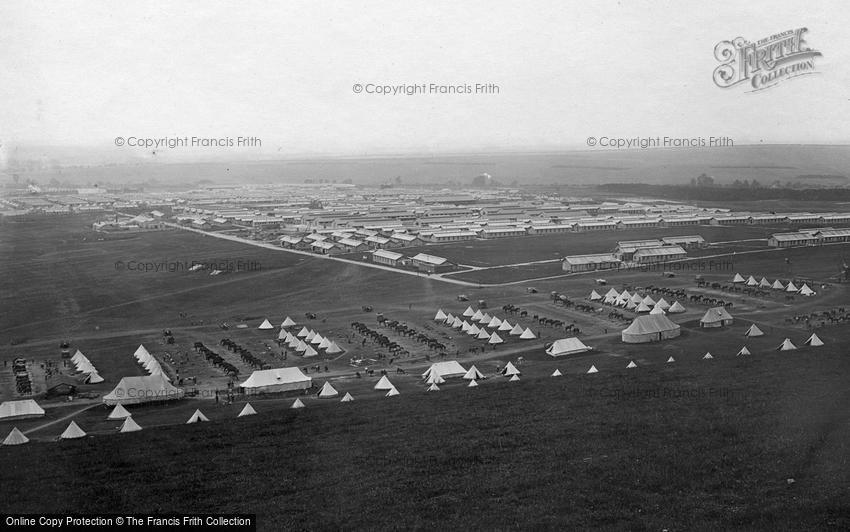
pixel 824 317
pixel 405 330
pixel 246 355
pixel 216 359
pixel 379 338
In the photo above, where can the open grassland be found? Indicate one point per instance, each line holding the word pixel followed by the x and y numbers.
pixel 694 444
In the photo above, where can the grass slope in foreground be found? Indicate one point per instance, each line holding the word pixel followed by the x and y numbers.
pixel 706 444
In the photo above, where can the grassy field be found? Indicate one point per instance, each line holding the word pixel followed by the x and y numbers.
pixel 695 444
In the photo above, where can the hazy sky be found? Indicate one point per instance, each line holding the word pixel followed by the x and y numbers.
pixel 85 72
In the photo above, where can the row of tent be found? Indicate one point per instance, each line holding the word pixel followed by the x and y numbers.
pixel 84 366
pixel 285 324
pixel 485 321
pixel 150 363
pixel 636 302
pixel 306 339
pixel 775 285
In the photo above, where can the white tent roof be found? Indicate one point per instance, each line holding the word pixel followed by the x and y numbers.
pixel 310 352
pixel 751 281
pixel 477 315
pixel 72 432
pixel 197 416
pixel 440 316
pixel 310 336
pixel 483 334
pixel 392 391
pixel 297 404
pixel 593 369
pixel 384 384
pixel 130 426
pixel 494 322
pixel 814 341
pixel 119 412
pixel 636 298
pixel 276 376
pixel 791 287
pixel 473 330
pixel 333 349
pixel 325 343
pixel 141 352
pixel 517 330
pixel 738 278
pixel 266 325
pixel 787 345
pixel 433 387
pixel 510 369
pixel 631 365
pixel 643 307
pixel 495 339
pixel 346 398
pixel 247 411
pixel 472 384
pixel 283 335
pixel 301 347
pixel 743 351
pixel 303 332
pixel 764 283
pixel 458 323
pixel 657 310
pixel 317 339
pixel 648 301
pixel 132 390
pixel 328 390
pixel 468 312
pixel 707 356
pixel 473 374
pixel 15 437
pixel 20 409
pixel 485 319
pixel 671 359
pixel 447 369
pixel 527 335
pixel 777 285
pixel 557 373
pixel 676 307
pixel 663 304
pixel 514 378
pixel 288 322
pixel 753 331
pixel 464 327
pixel 806 291
pixel 594 296
pixel 505 326
pixel 567 346
pixel 611 293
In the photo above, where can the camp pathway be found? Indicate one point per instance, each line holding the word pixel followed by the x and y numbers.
pixel 63 418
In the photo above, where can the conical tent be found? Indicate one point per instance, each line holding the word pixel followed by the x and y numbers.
pixel 310 336
pixel 787 345
pixel 384 384
pixel 301 347
pixel 197 416
pixel 473 374
pixel 791 287
pixel 283 335
pixel 707 356
pixel 624 295
pixel 517 330
pixel 288 322
pixel 434 388
pixel 465 326
pixel 631 365
pixel 473 330
pixel 347 398
pixel 325 343
pixel 557 373
pixel 631 305
pixel 72 432
pixel 671 359
pixel 814 341
pixel 657 310
pixel 119 412
pixel 612 293
pixel 303 332
pixel 527 335
pixel 738 278
pixel 751 281
pixel 130 426
pixel 15 437
pixel 495 339
pixel 247 411
pixel 468 312
pixel 440 316
pixel 310 352
pixel 472 384
pixel 663 304
pixel 643 307
pixel 392 392
pixel 294 341
pixel 266 325
pixel 806 291
pixel 676 308
pixel 764 283
pixel 636 298
pixel 141 352
pixel 593 370
pixel 478 315
pixel 505 326
pixel 744 351
pixel 297 404
pixel 777 285
pixel 494 322
pixel 483 335
pixel 435 378
pixel 753 331
pixel 458 323
pixel 333 349
pixel 328 390
pixel 514 378
pixel 648 301
pixel 317 339
pixel 594 296
pixel 510 369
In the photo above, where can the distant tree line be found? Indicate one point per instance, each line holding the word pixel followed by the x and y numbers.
pixel 733 192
